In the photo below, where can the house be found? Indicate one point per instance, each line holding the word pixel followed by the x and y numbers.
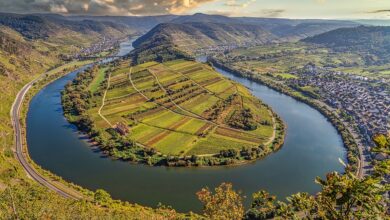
pixel 122 128
pixel 381 156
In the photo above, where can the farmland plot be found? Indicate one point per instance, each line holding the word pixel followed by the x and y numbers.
pixel 182 108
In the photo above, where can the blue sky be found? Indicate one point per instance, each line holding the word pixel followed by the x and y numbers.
pixel 335 9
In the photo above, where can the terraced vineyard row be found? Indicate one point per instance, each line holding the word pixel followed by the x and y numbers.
pixel 181 108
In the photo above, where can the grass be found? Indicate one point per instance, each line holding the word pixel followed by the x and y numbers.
pixel 176 143
pixel 214 144
pixel 182 93
pixel 281 59
pixel 93 87
pixel 20 196
pixel 287 76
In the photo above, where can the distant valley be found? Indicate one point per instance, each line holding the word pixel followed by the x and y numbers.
pixel 186 94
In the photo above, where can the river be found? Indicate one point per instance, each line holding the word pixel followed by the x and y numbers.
pixel 312 148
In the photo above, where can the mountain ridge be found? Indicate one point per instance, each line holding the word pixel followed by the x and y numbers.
pixel 371 41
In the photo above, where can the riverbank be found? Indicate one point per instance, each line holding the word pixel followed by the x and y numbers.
pixel 56 145
pixel 43 176
pixel 348 139
pixel 267 134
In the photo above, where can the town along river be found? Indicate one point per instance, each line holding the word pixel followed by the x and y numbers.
pixel 312 148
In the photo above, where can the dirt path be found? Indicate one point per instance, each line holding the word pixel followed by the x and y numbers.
pixel 173 102
pixel 273 131
pixel 196 83
pixel 197 117
pixel 103 100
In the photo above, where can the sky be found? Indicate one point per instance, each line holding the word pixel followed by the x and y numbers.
pixel 326 9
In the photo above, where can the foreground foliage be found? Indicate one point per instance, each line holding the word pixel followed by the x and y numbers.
pixel 342 197
pixel 224 204
pixel 29 201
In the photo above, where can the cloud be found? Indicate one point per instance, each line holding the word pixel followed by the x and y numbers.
pixel 238 3
pixel 272 13
pixel 219 12
pixel 58 9
pixel 101 7
pixel 380 11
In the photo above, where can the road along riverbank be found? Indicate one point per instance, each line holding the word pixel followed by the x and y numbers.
pixel 17 118
pixel 18 115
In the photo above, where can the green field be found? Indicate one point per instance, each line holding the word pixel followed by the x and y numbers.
pixel 179 108
pixel 94 86
pixel 279 60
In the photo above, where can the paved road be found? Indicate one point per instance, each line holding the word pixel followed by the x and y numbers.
pixel 21 156
pixel 364 168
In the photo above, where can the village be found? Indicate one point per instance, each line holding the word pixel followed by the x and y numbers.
pixel 104 45
pixel 359 99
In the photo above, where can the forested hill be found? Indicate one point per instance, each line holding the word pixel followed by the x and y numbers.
pixel 140 24
pixel 369 40
pixel 178 40
pixel 359 37
pixel 285 29
pixel 41 26
pixel 201 31
pixel 206 34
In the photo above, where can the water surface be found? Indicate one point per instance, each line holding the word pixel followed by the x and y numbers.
pixel 312 148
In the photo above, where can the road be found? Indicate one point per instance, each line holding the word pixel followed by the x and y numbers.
pixel 103 101
pixel 19 136
pixel 364 167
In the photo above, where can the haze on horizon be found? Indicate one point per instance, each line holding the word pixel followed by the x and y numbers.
pixel 326 9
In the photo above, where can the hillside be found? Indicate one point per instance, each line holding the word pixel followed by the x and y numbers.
pixel 42 26
pixel 175 40
pixel 185 35
pixel 140 24
pixel 29 46
pixel 197 35
pixel 373 42
pixel 285 29
pixel 307 29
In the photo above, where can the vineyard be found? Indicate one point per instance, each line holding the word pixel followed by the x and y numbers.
pixel 180 108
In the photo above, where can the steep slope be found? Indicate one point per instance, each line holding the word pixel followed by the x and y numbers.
pixel 42 26
pixel 200 35
pixel 307 29
pixel 285 29
pixel 373 42
pixel 187 34
pixel 191 36
pixel 139 24
pixel 28 47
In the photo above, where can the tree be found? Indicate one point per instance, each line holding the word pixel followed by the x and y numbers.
pixel 347 197
pixel 381 141
pixel 102 197
pixel 342 197
pixel 263 206
pixel 301 203
pixel 224 204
